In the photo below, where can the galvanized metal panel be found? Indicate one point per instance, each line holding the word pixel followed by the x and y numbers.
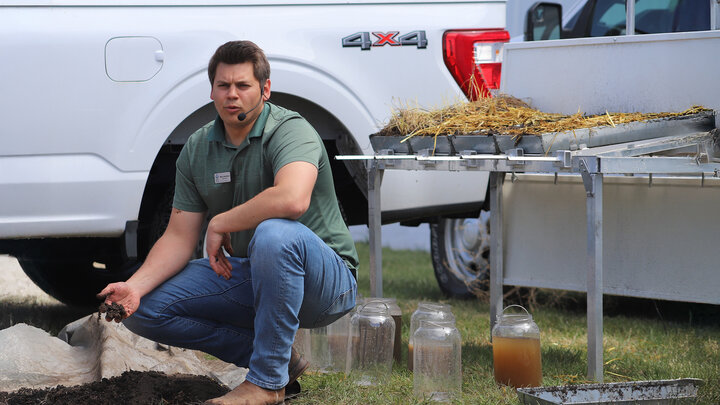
pixel 670 72
pixel 659 240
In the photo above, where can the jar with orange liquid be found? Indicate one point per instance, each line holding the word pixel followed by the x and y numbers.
pixel 516 349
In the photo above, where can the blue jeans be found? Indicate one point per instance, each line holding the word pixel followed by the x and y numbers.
pixel 290 279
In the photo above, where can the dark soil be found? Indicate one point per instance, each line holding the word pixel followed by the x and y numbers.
pixel 132 387
pixel 113 312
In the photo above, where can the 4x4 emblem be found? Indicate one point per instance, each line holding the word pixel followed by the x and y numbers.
pixel 392 38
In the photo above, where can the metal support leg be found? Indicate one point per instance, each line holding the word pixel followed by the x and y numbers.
pixel 496 247
pixel 630 17
pixel 594 186
pixel 375 175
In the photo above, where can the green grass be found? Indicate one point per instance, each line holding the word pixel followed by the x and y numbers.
pixel 636 347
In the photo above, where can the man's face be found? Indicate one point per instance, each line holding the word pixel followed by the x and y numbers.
pixel 236 90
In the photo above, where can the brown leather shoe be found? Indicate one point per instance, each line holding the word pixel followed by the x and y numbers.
pixel 297 366
pixel 248 393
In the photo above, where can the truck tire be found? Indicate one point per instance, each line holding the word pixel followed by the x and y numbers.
pixel 67 270
pixel 460 249
pixel 72 277
pixel 161 219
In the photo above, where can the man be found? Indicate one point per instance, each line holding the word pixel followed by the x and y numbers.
pixel 262 175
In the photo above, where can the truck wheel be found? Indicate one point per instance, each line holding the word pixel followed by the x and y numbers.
pixel 460 249
pixel 73 278
pixel 161 219
pixel 67 269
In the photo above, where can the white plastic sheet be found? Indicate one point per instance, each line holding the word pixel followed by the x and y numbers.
pixel 90 349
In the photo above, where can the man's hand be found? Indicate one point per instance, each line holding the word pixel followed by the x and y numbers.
pixel 215 242
pixel 123 294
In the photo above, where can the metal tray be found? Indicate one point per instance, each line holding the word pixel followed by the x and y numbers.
pixel 676 392
pixel 549 142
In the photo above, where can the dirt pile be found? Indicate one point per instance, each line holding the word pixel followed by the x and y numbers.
pixel 132 387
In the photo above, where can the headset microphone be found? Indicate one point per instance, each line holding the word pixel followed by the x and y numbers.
pixel 243 115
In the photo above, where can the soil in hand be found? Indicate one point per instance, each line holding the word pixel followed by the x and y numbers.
pixel 113 312
pixel 132 387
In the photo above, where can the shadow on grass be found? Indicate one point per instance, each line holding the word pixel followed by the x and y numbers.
pixel 51 317
pixel 564 365
pixel 687 313
pixel 478 356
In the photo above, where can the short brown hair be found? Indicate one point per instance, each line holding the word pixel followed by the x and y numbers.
pixel 235 52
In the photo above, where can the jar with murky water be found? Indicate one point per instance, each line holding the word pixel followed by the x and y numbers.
pixel 396 314
pixel 516 349
pixel 372 331
pixel 426 311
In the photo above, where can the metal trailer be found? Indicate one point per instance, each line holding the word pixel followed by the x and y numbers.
pixel 593 164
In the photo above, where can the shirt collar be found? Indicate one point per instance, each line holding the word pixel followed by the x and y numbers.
pixel 217 133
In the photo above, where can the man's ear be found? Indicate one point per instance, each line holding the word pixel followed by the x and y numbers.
pixel 266 90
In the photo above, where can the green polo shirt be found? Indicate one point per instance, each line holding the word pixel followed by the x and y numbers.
pixel 214 175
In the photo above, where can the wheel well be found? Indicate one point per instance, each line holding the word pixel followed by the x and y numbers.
pixel 350 178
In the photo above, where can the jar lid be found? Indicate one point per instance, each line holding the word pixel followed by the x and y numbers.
pixel 510 318
pixel 374 307
pixel 391 303
pixel 435 306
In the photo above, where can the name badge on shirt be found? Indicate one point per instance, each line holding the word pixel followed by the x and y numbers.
pixel 223 177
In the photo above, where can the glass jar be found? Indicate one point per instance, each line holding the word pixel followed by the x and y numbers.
pixel 320 350
pixel 302 343
pixel 396 314
pixel 338 334
pixel 372 331
pixel 430 311
pixel 437 360
pixel 516 350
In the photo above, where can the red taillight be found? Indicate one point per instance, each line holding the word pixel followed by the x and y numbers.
pixel 474 59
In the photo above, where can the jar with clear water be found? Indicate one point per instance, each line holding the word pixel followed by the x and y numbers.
pixel 396 314
pixel 372 331
pixel 429 311
pixel 516 349
pixel 437 374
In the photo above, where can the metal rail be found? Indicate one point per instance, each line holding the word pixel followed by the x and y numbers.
pixel 591 163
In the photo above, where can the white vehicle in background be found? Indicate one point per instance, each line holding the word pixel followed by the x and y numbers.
pixel 460 246
pixel 99 96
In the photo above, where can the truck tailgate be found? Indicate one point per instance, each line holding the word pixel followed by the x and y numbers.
pixel 638 73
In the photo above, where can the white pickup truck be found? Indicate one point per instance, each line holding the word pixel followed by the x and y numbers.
pixel 99 96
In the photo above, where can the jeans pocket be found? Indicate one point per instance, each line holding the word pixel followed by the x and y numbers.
pixel 343 304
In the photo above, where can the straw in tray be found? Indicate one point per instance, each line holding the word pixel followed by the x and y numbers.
pixel 503 115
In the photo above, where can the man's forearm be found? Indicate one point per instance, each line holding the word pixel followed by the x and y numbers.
pixel 167 257
pixel 289 197
pixel 271 203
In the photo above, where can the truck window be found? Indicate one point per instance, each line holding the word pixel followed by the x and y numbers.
pixel 692 15
pixel 651 16
pixel 608 18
